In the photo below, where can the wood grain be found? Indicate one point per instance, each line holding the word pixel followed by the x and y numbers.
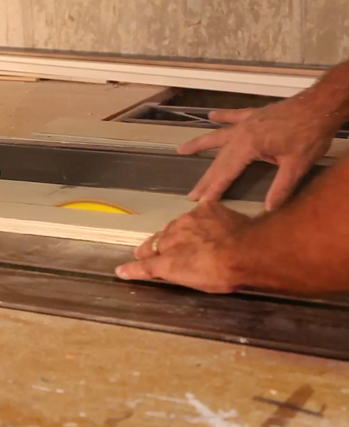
pixel 201 64
pixel 53 100
pixel 34 77
pixel 30 208
pixel 15 78
pixel 258 84
pixel 148 385
pixel 118 134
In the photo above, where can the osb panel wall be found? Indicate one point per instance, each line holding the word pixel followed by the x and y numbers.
pixel 326 31
pixel 288 31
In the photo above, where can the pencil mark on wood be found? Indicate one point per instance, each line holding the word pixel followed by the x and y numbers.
pixel 289 409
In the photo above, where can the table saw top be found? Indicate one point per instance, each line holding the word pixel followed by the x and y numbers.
pixel 63 372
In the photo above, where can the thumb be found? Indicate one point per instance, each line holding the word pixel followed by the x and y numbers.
pixel 231 116
pixel 287 178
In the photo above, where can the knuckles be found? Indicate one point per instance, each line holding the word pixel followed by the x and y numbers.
pixel 185 220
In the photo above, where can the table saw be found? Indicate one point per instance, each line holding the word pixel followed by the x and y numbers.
pixel 60 369
pixel 75 278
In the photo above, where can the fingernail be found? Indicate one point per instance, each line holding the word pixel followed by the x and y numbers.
pixel 122 274
pixel 205 199
pixel 192 197
pixel 135 253
pixel 268 209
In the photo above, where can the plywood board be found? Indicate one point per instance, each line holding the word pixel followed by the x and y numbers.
pixel 253 83
pixel 199 64
pixel 117 133
pixel 330 45
pixel 30 208
pixel 148 385
pixel 34 77
pixel 17 78
pixel 141 136
pixel 19 118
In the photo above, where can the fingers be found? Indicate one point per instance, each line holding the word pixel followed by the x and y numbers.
pixel 146 250
pixel 217 138
pixel 289 174
pixel 220 176
pixel 231 116
pixel 212 140
pixel 147 269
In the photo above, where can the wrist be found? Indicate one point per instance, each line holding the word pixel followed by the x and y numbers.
pixel 250 254
pixel 328 99
pixel 266 257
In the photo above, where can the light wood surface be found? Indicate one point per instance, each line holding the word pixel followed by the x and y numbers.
pixel 117 134
pixel 228 81
pixel 133 135
pixel 31 208
pixel 17 78
pixel 174 62
pixel 63 372
pixel 34 77
pixel 26 107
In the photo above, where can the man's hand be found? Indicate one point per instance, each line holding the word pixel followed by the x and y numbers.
pixel 290 134
pixel 300 248
pixel 199 250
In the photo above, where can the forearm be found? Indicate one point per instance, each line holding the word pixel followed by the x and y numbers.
pixel 304 246
pixel 328 99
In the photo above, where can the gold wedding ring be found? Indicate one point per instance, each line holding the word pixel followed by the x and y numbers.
pixel 155 245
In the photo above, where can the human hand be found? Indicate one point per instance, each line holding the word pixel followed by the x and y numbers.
pixel 199 250
pixel 289 134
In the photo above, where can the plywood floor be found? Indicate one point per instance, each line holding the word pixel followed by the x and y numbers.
pixel 25 107
pixel 62 372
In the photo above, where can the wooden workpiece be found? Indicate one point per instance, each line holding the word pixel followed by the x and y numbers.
pixel 24 107
pixel 133 136
pixel 63 372
pixel 316 72
pixel 228 81
pixel 33 208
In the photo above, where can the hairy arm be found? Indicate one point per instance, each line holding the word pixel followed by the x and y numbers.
pixel 303 247
pixel 330 96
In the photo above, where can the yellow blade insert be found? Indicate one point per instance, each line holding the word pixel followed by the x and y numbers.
pixel 96 205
